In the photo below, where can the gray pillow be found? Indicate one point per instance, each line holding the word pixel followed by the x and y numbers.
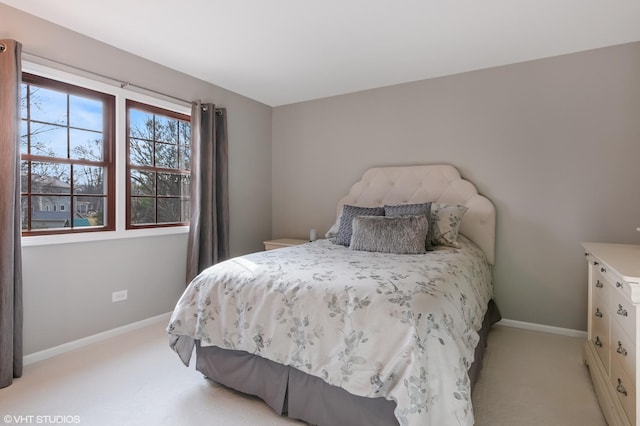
pixel 412 209
pixel 399 234
pixel 446 219
pixel 347 216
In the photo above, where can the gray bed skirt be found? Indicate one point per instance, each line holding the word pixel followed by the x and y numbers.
pixel 298 395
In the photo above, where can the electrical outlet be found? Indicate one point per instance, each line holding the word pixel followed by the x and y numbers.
pixel 118 296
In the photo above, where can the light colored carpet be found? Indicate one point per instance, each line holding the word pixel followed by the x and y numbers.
pixel 532 378
pixel 529 378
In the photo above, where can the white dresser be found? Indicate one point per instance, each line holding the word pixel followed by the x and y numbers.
pixel 614 329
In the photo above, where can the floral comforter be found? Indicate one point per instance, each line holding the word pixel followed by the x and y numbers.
pixel 403 327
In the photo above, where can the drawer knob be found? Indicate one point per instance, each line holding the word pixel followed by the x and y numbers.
pixel 622 312
pixel 621 388
pixel 618 284
pixel 599 284
pixel 598 313
pixel 595 263
pixel 598 343
pixel 622 351
pixel 602 269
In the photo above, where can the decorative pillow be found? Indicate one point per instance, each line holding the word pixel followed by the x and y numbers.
pixel 411 209
pixel 399 234
pixel 445 220
pixel 348 213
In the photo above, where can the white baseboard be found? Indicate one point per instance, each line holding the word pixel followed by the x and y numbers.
pixel 543 328
pixel 66 347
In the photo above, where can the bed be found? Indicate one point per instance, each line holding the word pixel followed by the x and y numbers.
pixel 357 333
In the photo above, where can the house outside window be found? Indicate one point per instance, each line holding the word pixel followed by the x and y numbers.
pixel 158 167
pixel 67 152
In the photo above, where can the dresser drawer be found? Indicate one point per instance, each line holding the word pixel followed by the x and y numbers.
pixel 599 291
pixel 624 389
pixel 623 313
pixel 600 288
pixel 600 339
pixel 600 317
pixel 623 350
pixel 603 270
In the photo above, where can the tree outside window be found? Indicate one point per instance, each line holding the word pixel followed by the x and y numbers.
pixel 158 166
pixel 67 170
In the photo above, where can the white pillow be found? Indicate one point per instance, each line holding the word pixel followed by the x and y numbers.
pixel 445 224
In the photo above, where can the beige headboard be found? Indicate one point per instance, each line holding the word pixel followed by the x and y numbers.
pixel 439 183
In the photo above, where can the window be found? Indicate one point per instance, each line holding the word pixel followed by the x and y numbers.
pixel 158 166
pixel 70 176
pixel 67 151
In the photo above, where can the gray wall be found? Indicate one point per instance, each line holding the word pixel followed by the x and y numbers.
pixel 67 288
pixel 555 144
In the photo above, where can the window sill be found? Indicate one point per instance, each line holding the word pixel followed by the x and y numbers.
pixel 45 240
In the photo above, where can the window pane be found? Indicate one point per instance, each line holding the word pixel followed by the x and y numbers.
pixel 24 176
pixel 85 144
pixel 143 183
pixel 89 211
pixel 140 152
pixel 186 210
pixel 186 186
pixel 168 210
pixel 169 184
pixel 23 101
pixel 24 206
pixel 143 210
pixel 88 180
pixel 85 113
pixel 166 156
pixel 185 133
pixel 49 106
pixel 140 124
pixel 166 130
pixel 50 178
pixel 50 212
pixel 185 158
pixel 24 140
pixel 48 140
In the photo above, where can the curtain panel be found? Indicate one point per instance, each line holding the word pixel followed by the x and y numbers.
pixel 10 219
pixel 209 226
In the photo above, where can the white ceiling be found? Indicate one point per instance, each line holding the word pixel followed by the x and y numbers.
pixel 285 51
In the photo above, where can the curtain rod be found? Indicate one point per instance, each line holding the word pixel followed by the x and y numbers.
pixel 122 84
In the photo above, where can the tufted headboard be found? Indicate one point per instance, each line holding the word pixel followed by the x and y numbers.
pixel 440 183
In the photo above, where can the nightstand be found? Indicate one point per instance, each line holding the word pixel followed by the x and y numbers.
pixel 282 242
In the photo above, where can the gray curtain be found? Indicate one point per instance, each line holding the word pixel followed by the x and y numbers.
pixel 10 247
pixel 209 229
